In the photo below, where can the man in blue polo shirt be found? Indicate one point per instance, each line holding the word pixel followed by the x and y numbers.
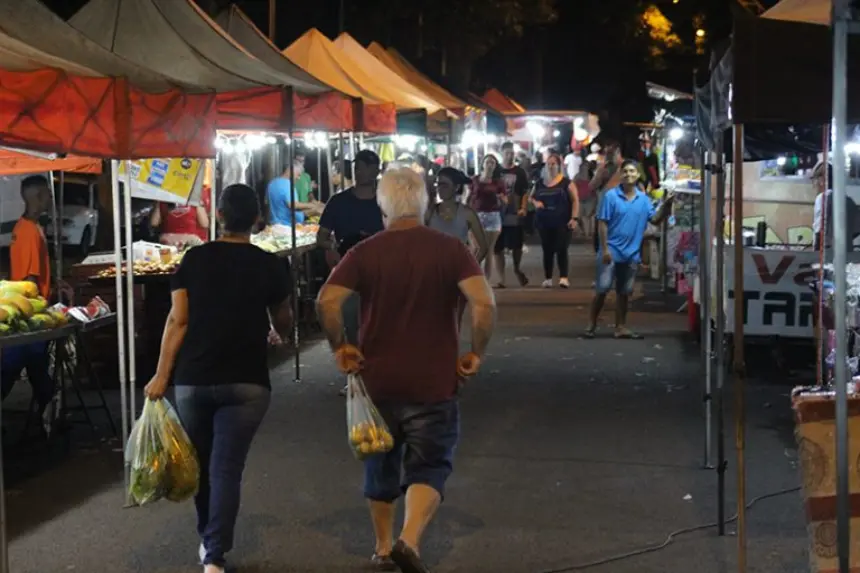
pixel 622 218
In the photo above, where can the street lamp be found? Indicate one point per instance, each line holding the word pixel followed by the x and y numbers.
pixel 700 33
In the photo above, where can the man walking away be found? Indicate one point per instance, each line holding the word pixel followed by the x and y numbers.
pixel 516 183
pixel 349 218
pixel 621 221
pixel 409 278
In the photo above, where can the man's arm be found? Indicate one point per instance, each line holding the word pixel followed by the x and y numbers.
pixel 602 232
pixel 281 315
pixel 330 311
pixel 663 211
pixel 598 180
pixel 482 304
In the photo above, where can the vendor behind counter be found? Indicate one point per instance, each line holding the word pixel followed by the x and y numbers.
pixel 183 224
pixel 29 262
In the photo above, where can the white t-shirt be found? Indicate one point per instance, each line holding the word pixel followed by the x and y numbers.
pixel 572 163
pixel 816 212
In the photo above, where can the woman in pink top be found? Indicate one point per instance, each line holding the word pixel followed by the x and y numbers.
pixel 487 198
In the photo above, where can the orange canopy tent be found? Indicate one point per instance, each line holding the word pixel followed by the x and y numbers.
pixel 179 40
pixel 14 162
pixel 51 104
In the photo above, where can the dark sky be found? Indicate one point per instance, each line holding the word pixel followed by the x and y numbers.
pixel 589 62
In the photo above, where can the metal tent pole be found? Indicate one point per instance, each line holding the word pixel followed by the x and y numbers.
pixel 342 148
pixel 720 330
pixel 705 300
pixel 61 201
pixel 4 542
pixel 55 227
pixel 293 256
pixel 352 155
pixel 213 199
pixel 120 315
pixel 129 285
pixel 738 354
pixel 841 16
pixel 319 174
pixel 329 166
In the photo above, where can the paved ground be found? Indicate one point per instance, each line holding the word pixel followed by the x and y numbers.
pixel 572 451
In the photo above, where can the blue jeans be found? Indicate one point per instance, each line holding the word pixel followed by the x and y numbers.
pixel 622 274
pixel 352 318
pixel 425 437
pixel 221 422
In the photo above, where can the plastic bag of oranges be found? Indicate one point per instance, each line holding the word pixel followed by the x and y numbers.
pixel 368 433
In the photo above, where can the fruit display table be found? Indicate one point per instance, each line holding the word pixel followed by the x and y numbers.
pixel 816 445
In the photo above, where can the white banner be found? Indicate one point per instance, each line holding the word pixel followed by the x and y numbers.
pixel 777 297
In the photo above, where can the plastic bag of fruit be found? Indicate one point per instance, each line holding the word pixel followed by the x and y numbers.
pixel 368 432
pixel 147 458
pixel 162 459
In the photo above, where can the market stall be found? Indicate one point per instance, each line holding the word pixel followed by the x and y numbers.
pixel 760 87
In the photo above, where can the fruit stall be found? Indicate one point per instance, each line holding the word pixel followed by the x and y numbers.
pixel 153 266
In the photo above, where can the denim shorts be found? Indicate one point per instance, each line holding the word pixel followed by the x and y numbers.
pixel 622 274
pixel 490 221
pixel 425 437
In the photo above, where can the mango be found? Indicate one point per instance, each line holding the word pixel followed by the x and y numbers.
pixel 11 311
pixel 24 288
pixel 18 301
pixel 39 304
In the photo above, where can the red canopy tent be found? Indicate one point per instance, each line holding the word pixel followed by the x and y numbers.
pixel 330 112
pixel 500 102
pixel 51 104
pixel 179 40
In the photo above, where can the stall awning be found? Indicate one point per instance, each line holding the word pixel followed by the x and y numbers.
pixel 394 61
pixel 179 40
pixel 809 11
pixel 54 105
pixel 317 55
pixel 502 103
pixel 330 111
pixel 408 96
pixel 19 162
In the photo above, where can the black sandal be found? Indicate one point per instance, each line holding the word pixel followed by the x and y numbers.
pixel 589 332
pixel 407 559
pixel 382 563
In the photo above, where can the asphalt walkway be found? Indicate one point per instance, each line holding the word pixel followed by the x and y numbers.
pixel 572 451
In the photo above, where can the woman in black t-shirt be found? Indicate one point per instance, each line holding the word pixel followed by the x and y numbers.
pixel 215 347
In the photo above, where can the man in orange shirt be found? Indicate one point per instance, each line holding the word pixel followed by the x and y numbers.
pixel 29 250
pixel 29 254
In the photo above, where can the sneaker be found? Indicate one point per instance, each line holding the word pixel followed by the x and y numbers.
pixel 547 283
pixel 564 283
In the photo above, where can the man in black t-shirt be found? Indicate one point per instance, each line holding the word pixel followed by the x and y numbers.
pixel 516 183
